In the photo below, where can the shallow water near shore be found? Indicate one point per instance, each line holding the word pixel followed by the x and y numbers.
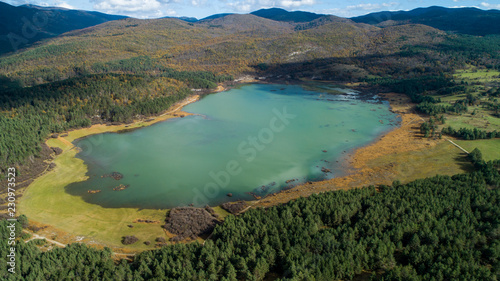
pixel 259 139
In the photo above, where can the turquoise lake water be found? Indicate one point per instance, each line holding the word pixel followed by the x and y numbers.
pixel 251 139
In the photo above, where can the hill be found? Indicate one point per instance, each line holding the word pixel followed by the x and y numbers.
pixel 232 44
pixel 235 23
pixel 278 14
pixel 186 19
pixel 216 16
pixel 123 70
pixel 471 21
pixel 24 25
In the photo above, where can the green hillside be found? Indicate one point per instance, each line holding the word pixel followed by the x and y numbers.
pixel 232 44
pixel 472 21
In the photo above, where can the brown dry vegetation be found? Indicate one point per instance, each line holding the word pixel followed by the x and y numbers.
pixel 235 207
pixel 189 223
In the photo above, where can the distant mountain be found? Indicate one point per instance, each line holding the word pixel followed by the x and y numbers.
pixel 471 21
pixel 278 14
pixel 236 23
pixel 232 44
pixel 186 19
pixel 216 16
pixel 24 25
pixel 322 21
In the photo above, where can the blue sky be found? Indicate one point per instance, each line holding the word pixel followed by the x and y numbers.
pixel 203 8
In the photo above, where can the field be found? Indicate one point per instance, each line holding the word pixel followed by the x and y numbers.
pixel 478 83
pixel 481 120
pixel 442 159
pixel 477 75
pixel 490 149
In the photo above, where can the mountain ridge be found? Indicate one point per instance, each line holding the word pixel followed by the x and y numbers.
pixel 279 14
pixel 473 21
pixel 24 25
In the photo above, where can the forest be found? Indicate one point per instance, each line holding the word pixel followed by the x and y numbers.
pixel 439 228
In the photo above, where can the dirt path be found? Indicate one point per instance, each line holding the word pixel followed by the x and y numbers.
pixel 124 255
pixel 36 236
pixel 461 148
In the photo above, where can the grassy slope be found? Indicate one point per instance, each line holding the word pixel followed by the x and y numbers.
pixel 490 149
pixel 442 159
pixel 474 75
pixel 483 118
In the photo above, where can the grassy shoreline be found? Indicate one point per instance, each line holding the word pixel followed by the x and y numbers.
pixel 70 218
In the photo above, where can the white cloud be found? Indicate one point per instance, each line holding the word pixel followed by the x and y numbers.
pixel 242 6
pixel 127 5
pixel 170 13
pixel 198 3
pixel 17 2
pixel 296 3
pixel 137 8
pixel 490 6
pixel 371 6
pixel 457 7
pixel 65 5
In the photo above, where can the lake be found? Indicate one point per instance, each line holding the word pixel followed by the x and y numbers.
pixel 258 138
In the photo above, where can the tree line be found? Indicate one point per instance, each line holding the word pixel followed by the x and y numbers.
pixel 470 134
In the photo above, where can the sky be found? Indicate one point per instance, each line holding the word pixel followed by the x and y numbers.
pixel 203 8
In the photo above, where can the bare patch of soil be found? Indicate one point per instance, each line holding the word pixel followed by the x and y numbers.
pixel 189 223
pixel 235 207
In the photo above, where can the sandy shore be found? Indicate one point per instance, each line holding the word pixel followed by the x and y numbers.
pixel 359 171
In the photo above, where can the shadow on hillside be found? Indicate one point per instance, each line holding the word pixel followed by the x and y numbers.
pixel 8 84
pixel 350 69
